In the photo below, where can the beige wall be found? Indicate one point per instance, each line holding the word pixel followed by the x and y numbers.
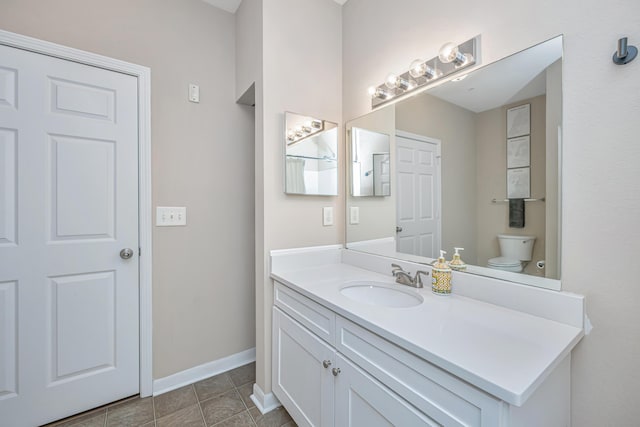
pixel 302 72
pixel 248 49
pixel 199 314
pixel 601 155
pixel 491 182
pixel 377 214
pixel 454 126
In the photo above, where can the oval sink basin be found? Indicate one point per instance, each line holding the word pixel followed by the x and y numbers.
pixel 381 294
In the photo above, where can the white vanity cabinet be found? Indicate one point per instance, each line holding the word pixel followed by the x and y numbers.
pixel 329 371
pixel 303 384
pixel 361 400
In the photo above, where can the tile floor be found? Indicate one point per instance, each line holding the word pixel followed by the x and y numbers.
pixel 220 401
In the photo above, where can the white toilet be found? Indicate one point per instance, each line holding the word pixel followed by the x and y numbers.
pixel 515 252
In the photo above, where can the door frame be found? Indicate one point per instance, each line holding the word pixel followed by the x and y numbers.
pixel 145 211
pixel 438 144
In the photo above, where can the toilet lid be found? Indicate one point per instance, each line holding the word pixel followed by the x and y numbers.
pixel 502 261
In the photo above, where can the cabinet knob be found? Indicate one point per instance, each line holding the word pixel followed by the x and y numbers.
pixel 335 371
pixel 326 363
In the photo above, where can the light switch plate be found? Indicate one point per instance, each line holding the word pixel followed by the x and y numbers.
pixel 194 93
pixel 354 215
pixel 171 216
pixel 327 215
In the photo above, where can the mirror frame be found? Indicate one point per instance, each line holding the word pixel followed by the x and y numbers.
pixel 300 129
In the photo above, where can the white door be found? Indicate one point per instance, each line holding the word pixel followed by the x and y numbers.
pixel 301 380
pixel 363 401
pixel 68 205
pixel 418 198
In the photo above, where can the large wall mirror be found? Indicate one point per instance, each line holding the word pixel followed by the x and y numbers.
pixel 311 156
pixel 473 163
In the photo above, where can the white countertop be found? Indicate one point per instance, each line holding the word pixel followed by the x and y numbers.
pixel 504 352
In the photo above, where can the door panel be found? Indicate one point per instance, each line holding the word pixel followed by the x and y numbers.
pixel 363 401
pixel 8 334
pixel 82 324
pixel 69 204
pixel 301 382
pixel 8 188
pixel 68 97
pixel 82 183
pixel 8 87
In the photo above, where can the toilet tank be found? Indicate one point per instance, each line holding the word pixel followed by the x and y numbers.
pixel 516 247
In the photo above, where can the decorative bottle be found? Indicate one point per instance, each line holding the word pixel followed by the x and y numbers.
pixel 456 263
pixel 441 276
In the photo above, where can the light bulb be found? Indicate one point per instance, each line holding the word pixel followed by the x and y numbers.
pixel 417 68
pixel 376 92
pixel 291 135
pixel 391 81
pixel 420 68
pixel 317 124
pixel 450 53
pixel 394 81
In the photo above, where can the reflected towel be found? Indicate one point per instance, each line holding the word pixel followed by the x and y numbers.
pixel 516 213
pixel 295 176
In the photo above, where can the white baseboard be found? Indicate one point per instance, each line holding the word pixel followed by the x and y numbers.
pixel 264 402
pixel 197 373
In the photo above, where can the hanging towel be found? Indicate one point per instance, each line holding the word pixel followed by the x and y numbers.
pixel 295 176
pixel 516 213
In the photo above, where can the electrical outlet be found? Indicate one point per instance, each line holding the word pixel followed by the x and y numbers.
pixel 354 215
pixel 327 215
pixel 171 216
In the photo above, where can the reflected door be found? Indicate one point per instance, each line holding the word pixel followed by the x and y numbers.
pixel 68 206
pixel 418 199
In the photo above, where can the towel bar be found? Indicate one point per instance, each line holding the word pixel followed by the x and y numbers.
pixel 541 199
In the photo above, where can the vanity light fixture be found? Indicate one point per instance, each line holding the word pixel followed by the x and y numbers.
pixel 304 130
pixel 452 58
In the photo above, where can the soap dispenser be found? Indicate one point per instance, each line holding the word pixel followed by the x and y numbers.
pixel 441 276
pixel 456 263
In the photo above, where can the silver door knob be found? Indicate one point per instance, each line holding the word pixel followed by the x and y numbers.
pixel 126 253
pixel 326 363
pixel 335 371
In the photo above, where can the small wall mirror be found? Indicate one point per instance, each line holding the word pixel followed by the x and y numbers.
pixel 370 163
pixel 311 156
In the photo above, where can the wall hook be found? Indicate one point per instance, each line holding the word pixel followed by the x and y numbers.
pixel 625 53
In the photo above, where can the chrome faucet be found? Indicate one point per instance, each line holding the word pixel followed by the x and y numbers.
pixel 404 277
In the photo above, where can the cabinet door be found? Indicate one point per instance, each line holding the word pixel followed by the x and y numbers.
pixel 300 380
pixel 363 401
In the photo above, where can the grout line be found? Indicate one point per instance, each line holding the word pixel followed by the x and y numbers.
pixel 244 403
pixel 153 403
pixel 199 406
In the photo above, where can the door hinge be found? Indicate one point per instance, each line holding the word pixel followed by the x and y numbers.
pixel 139 251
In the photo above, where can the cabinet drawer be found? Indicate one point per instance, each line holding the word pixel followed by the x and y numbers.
pixel 312 315
pixel 443 397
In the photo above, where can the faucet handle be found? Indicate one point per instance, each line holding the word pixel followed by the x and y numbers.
pixel 395 269
pixel 418 278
